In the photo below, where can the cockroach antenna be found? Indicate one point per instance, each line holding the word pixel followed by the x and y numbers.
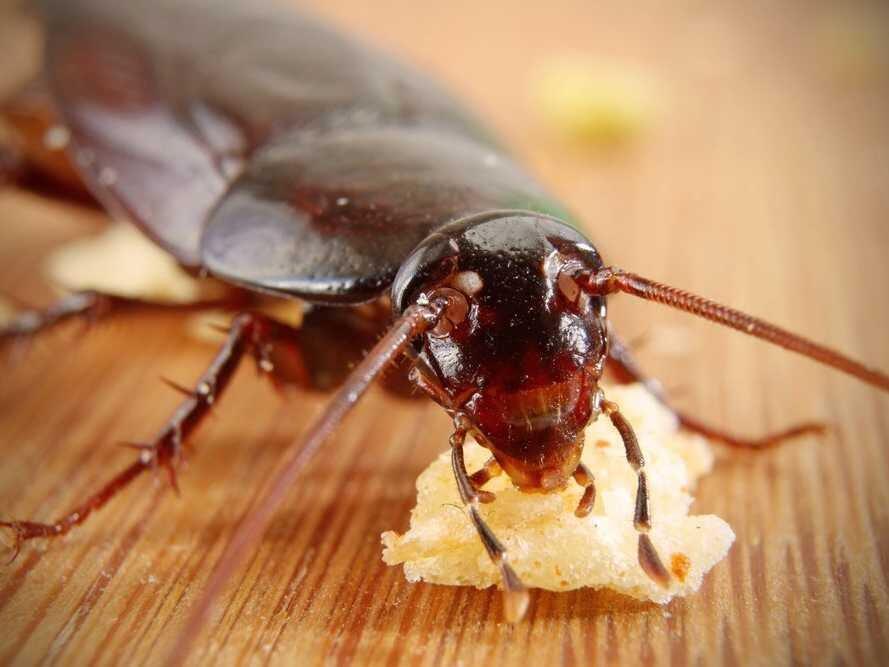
pixel 407 328
pixel 611 280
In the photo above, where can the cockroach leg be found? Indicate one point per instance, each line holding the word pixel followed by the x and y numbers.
pixel 426 380
pixel 334 340
pixel 89 307
pixel 624 368
pixel 763 442
pixel 404 332
pixel 480 477
pixel 515 595
pixel 250 333
pixel 648 557
pixel 584 478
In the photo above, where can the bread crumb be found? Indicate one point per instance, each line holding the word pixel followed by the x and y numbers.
pixel 550 547
pixel 592 104
pixel 122 261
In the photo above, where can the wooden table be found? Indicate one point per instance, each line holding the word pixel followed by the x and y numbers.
pixel 764 182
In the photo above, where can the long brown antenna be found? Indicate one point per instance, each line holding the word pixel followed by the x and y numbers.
pixel 610 280
pixel 413 322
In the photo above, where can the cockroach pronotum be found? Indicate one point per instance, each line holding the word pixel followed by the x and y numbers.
pixel 305 165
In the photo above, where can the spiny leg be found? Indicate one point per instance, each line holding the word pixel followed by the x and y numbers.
pixel 584 478
pixel 624 367
pixel 404 332
pixel 515 595
pixel 90 306
pixel 250 333
pixel 648 557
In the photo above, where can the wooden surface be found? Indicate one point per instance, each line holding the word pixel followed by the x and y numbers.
pixel 764 181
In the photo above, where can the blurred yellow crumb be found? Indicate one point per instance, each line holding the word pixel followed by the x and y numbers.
pixel 551 548
pixel 122 261
pixel 592 104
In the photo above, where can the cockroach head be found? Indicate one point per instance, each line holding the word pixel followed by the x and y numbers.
pixel 520 348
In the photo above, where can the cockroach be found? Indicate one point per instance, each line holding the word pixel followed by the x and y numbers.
pixel 268 151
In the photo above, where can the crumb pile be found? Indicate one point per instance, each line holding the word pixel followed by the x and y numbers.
pixel 122 261
pixel 551 548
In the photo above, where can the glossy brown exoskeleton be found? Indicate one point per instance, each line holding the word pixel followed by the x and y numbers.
pixel 266 150
pixel 520 350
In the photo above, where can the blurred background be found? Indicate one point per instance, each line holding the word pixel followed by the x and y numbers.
pixel 735 149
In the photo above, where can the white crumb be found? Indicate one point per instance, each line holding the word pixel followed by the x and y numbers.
pixel 122 261
pixel 550 547
pixel 590 103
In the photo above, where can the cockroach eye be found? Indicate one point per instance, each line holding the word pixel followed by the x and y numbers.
pixel 455 312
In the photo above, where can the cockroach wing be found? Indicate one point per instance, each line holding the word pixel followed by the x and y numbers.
pixel 330 217
pixel 166 99
pixel 136 152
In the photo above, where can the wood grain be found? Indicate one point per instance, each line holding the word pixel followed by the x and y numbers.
pixel 764 183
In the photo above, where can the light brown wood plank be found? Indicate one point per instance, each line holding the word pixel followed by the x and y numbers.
pixel 764 182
